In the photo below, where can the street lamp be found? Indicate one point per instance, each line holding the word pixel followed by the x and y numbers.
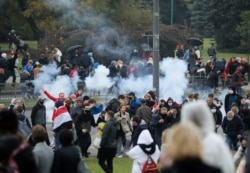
pixel 156 46
pixel 146 35
pixel 172 13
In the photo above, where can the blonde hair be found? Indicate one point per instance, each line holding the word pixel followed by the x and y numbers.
pixel 184 141
pixel 2 107
pixel 235 109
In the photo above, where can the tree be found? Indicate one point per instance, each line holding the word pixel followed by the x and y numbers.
pixel 244 29
pixel 225 16
pixel 199 18
pixel 181 13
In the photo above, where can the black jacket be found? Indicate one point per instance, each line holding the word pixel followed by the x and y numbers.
pixel 85 121
pixel 109 134
pixel 38 114
pixel 66 160
pixel 24 159
pixel 190 165
pixel 234 127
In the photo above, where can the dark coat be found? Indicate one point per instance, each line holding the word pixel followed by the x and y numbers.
pixel 230 99
pixel 85 121
pixel 234 127
pixel 38 114
pixel 190 165
pixel 66 160
pixel 109 134
pixel 24 159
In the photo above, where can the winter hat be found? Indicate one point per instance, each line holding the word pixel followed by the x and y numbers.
pixel 59 103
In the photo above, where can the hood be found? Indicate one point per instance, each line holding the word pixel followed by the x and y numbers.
pixel 170 99
pixel 145 138
pixel 199 113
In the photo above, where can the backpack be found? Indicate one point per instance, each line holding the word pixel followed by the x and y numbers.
pixel 150 166
pixel 12 166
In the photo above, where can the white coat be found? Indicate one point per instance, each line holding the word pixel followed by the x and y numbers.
pixel 137 154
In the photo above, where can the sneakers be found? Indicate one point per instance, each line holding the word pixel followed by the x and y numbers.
pixel 119 156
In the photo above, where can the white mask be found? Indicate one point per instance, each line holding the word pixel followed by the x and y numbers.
pixel 230 91
pixel 229 119
pixel 213 110
pixel 170 104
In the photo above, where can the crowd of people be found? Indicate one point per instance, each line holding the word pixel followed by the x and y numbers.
pixel 180 137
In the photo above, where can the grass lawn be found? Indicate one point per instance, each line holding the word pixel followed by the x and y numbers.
pixel 220 55
pixel 32 44
pixel 120 165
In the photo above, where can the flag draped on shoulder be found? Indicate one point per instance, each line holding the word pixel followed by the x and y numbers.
pixel 61 119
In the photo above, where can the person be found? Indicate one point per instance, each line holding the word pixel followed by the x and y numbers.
pixel 61 120
pixel 186 158
pixel 124 130
pixel 144 112
pixel 216 153
pixel 241 152
pixel 24 79
pixel 211 51
pixel 38 115
pixel 83 129
pixel 133 105
pixel 217 115
pixel 66 158
pixel 20 115
pixel 2 69
pixel 76 111
pixel 58 56
pixel 230 98
pixel 107 149
pixel 10 140
pixel 54 99
pixel 174 115
pixel 139 153
pixel 43 59
pixel 159 123
pixel 232 126
pixel 43 154
pixel 10 67
pixel 138 126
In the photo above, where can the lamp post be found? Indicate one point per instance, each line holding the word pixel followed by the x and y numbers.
pixel 172 13
pixel 156 46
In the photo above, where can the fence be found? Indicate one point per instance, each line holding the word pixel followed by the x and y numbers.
pixel 196 84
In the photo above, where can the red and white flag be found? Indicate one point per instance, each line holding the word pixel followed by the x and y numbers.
pixel 61 119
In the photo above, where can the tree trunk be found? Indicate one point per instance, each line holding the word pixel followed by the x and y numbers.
pixel 31 21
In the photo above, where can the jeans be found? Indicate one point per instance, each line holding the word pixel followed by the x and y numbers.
pixel 24 90
pixel 57 142
pixel 120 143
pixel 232 142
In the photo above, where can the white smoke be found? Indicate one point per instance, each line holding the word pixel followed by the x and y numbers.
pixel 99 81
pixel 54 84
pixel 174 83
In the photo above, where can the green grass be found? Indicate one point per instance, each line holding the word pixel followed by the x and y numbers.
pixel 120 165
pixel 32 44
pixel 220 55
